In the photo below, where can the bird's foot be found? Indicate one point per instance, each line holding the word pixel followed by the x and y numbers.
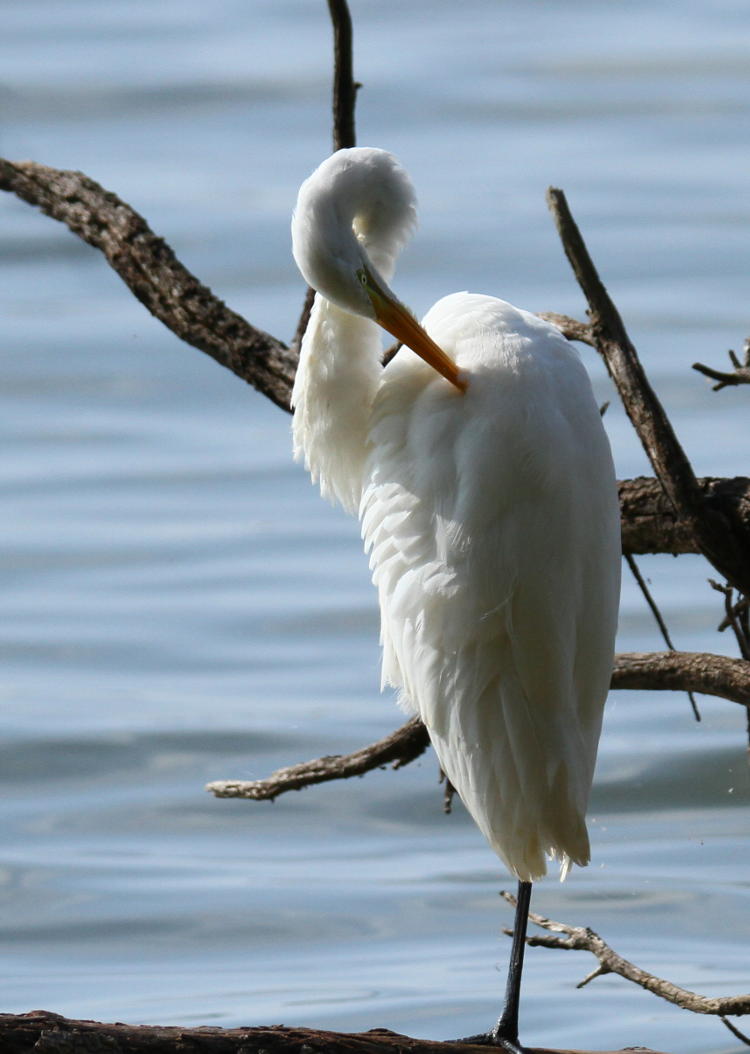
pixel 497 1038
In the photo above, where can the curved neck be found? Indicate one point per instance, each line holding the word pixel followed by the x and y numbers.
pixel 338 375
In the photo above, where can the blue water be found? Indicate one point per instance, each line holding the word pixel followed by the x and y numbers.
pixel 179 605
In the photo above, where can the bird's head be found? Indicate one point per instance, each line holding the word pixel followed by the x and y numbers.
pixel 353 216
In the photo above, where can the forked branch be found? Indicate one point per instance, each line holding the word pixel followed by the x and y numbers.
pixel 581 938
pixel 727 378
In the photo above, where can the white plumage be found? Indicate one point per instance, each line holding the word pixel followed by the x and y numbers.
pixel 488 506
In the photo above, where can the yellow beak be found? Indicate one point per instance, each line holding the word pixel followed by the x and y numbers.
pixel 399 321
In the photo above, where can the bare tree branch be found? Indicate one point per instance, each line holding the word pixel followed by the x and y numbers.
pixel 684 671
pixel 151 271
pixel 739 375
pixel 732 616
pixel 643 586
pixel 653 606
pixel 42 1030
pixel 149 268
pixel 653 671
pixel 721 539
pixel 398 748
pixel 639 399
pixel 581 938
pixel 570 327
pixel 344 104
pixel 344 85
pixel 735 1031
pixel 304 318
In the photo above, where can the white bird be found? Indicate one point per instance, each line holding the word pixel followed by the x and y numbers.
pixel 481 472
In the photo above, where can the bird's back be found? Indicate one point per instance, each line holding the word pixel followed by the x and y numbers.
pixel 493 528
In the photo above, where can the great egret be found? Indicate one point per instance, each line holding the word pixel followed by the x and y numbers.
pixel 483 478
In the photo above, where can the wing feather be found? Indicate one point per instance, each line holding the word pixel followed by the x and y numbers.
pixel 492 527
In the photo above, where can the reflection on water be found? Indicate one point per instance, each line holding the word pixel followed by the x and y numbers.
pixel 180 606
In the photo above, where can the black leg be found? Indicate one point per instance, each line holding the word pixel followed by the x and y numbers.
pixel 505 1033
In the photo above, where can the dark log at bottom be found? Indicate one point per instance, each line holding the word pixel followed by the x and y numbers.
pixel 42 1031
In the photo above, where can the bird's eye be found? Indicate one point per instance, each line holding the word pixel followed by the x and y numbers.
pixel 362 275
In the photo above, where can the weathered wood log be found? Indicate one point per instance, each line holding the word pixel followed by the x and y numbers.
pixel 41 1030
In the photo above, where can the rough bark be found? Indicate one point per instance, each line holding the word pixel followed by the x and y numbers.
pixel 649 523
pixel 396 749
pixel 150 269
pixel 41 1031
pixel 684 671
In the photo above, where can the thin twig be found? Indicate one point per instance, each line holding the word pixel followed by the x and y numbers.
pixel 742 611
pixel 303 320
pixel 449 792
pixel 343 106
pixel 582 938
pixel 642 585
pixel 735 1031
pixel 722 540
pixel 344 86
pixel 739 612
pixel 731 616
pixel 735 615
pixel 641 582
pixel 739 375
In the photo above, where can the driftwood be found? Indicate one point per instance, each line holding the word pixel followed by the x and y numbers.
pixel 42 1031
